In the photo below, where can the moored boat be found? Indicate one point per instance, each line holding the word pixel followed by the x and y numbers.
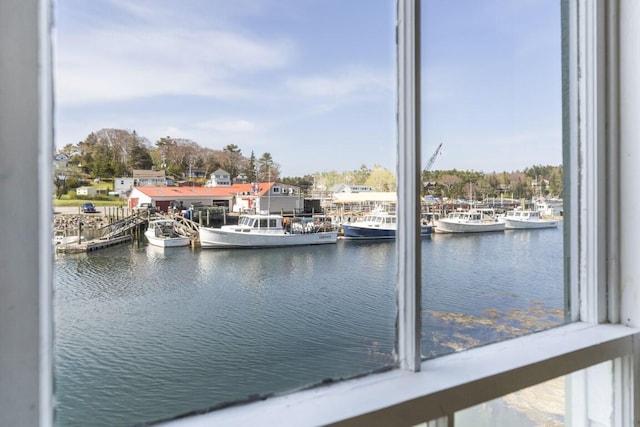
pixel 526 219
pixel 265 230
pixel 474 221
pixel 547 208
pixel 377 224
pixel 163 233
pixel 61 238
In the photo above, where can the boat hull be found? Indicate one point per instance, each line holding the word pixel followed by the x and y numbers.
pixel 356 232
pixel 226 238
pixel 515 224
pixel 169 242
pixel 163 234
pixel 444 226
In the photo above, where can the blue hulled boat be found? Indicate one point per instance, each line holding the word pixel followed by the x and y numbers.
pixel 377 224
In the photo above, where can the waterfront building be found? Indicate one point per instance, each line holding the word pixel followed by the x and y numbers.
pixel 347 188
pixel 272 196
pixel 349 204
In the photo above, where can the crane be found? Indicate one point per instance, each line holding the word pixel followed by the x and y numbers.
pixel 431 161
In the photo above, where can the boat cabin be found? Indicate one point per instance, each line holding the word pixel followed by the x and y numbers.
pixel 465 216
pixel 525 214
pixel 261 221
pixel 380 219
pixel 476 215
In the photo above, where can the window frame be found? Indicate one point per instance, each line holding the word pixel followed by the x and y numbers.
pixel 601 265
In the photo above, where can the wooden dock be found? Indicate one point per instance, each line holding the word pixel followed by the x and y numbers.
pixel 125 230
pixel 115 233
pixel 91 245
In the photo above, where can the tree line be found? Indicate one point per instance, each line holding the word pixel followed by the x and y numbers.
pixel 118 152
pixel 535 181
pixel 111 153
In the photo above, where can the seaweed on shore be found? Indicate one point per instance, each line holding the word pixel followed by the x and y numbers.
pixel 446 332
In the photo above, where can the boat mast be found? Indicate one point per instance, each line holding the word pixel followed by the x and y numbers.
pixel 269 196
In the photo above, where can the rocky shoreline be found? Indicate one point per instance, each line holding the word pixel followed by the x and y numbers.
pixel 69 222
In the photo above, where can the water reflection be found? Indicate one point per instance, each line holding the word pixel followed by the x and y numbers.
pixel 145 333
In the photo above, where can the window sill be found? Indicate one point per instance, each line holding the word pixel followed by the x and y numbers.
pixel 444 385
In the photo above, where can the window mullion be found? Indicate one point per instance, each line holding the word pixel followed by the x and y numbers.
pixel 26 252
pixel 408 334
pixel 602 149
pixel 613 161
pixel 628 104
pixel 590 136
pixel 441 422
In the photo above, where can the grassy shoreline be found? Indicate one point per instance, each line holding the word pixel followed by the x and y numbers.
pixel 79 202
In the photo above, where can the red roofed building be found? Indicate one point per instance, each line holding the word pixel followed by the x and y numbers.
pixel 271 196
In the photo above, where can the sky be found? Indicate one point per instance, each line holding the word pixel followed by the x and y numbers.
pixel 312 82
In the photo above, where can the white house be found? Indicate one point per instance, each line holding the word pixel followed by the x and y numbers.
pixel 86 191
pixel 142 177
pixel 122 186
pixel 60 161
pixel 219 178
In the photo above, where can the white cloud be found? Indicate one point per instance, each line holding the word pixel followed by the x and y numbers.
pixel 121 63
pixel 220 72
pixel 228 125
pixel 350 82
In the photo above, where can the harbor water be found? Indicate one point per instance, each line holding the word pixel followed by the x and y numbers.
pixel 144 334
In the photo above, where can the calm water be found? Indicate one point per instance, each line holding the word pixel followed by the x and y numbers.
pixel 145 334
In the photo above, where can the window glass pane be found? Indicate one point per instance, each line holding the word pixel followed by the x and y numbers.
pixel 300 93
pixel 540 405
pixel 492 97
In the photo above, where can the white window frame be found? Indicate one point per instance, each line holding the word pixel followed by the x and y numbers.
pixel 602 106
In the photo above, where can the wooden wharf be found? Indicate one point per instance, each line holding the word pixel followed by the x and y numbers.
pixel 125 230
pixel 91 245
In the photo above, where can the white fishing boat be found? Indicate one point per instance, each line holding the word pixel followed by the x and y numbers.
pixel 523 219
pixel 266 230
pixel 474 221
pixel 163 233
pixel 377 224
pixel 61 238
pixel 548 208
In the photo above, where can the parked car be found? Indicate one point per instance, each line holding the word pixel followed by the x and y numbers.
pixel 88 208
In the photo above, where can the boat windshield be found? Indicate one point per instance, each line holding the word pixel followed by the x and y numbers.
pixel 245 220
